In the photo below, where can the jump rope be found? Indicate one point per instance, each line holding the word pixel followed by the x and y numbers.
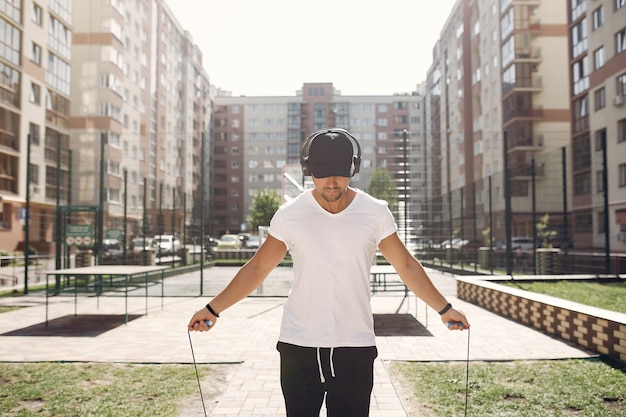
pixel 195 366
pixel 210 323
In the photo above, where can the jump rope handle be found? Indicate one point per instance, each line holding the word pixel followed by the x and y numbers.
pixel 451 323
pixel 208 323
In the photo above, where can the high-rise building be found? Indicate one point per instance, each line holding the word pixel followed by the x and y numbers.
pixel 497 100
pixel 140 106
pixel 597 62
pixel 257 141
pixel 35 74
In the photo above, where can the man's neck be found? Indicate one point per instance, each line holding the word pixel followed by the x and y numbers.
pixel 335 206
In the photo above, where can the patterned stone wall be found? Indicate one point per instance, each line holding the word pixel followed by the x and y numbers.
pixel 595 329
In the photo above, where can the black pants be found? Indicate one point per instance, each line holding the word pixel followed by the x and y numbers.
pixel 304 385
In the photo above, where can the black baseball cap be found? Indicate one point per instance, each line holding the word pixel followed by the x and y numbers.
pixel 331 154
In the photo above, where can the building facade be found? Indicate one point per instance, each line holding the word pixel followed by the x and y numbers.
pixel 257 141
pixel 35 77
pixel 117 105
pixel 597 62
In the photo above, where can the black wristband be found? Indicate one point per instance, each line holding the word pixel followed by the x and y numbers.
pixel 208 307
pixel 441 313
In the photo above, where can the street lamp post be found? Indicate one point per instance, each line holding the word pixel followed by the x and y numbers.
pixel 406 186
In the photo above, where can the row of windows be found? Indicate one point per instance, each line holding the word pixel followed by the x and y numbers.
pixel 339 108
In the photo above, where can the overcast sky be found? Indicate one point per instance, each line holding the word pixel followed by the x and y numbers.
pixel 269 48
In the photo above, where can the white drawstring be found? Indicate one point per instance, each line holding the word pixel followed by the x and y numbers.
pixel 332 364
pixel 319 365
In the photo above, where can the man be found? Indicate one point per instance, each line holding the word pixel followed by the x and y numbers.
pixel 327 342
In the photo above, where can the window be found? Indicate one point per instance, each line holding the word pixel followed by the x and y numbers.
pixel 36 54
pixel 583 221
pixel 10 42
pixel 580 73
pixel 598 58
pixel 37 14
pixel 35 93
pixel 622 175
pixel 599 98
pixel 598 17
pixel 33 130
pixel 619 4
pixel 621 85
pixel 620 40
pixel 33 171
pixel 582 183
pixel 621 131
pixel 5 216
pixel 599 138
pixel 579 38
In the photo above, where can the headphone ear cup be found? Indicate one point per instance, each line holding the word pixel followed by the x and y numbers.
pixel 356 164
pixel 304 157
pixel 304 163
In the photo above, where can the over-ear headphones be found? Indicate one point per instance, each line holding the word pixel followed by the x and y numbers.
pixel 306 145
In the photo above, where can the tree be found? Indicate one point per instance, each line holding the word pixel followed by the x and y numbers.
pixel 264 205
pixel 383 187
pixel 544 234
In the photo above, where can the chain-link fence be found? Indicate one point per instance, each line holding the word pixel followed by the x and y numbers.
pixel 523 222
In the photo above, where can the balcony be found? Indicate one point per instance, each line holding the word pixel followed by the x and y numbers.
pixel 534 84
pixel 526 144
pixel 525 171
pixel 532 55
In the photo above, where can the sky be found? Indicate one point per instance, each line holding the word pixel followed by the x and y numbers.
pixel 270 48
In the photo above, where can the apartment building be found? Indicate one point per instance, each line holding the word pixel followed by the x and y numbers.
pixel 35 74
pixel 498 101
pixel 597 61
pixel 116 105
pixel 257 140
pixel 140 106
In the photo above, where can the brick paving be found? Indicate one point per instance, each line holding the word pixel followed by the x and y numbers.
pixel 246 335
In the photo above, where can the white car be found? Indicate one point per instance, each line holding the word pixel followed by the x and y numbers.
pixel 166 244
pixel 138 245
pixel 522 243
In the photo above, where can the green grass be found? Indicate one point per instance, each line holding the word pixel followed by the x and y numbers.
pixel 607 295
pixel 519 389
pixel 103 390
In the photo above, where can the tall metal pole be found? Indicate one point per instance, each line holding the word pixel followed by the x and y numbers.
pixel 202 147
pixel 57 252
pixel 125 234
pixel 69 203
pixel 534 213
pixel 160 216
pixel 507 206
pixel 406 186
pixel 184 236
pixel 101 199
pixel 605 186
pixel 27 217
pixel 144 221
pixel 173 210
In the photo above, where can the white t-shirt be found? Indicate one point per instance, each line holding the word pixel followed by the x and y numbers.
pixel 329 304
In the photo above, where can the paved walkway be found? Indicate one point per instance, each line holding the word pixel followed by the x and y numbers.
pixel 247 334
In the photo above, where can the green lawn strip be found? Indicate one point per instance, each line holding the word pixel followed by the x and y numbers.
pixel 115 390
pixel 520 388
pixel 607 295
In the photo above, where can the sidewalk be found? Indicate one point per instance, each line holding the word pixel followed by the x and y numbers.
pixel 247 334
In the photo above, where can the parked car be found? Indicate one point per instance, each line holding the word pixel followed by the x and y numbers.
pixel 253 242
pixel 229 241
pixel 416 243
pixel 111 248
pixel 138 245
pixel 166 244
pixel 522 243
